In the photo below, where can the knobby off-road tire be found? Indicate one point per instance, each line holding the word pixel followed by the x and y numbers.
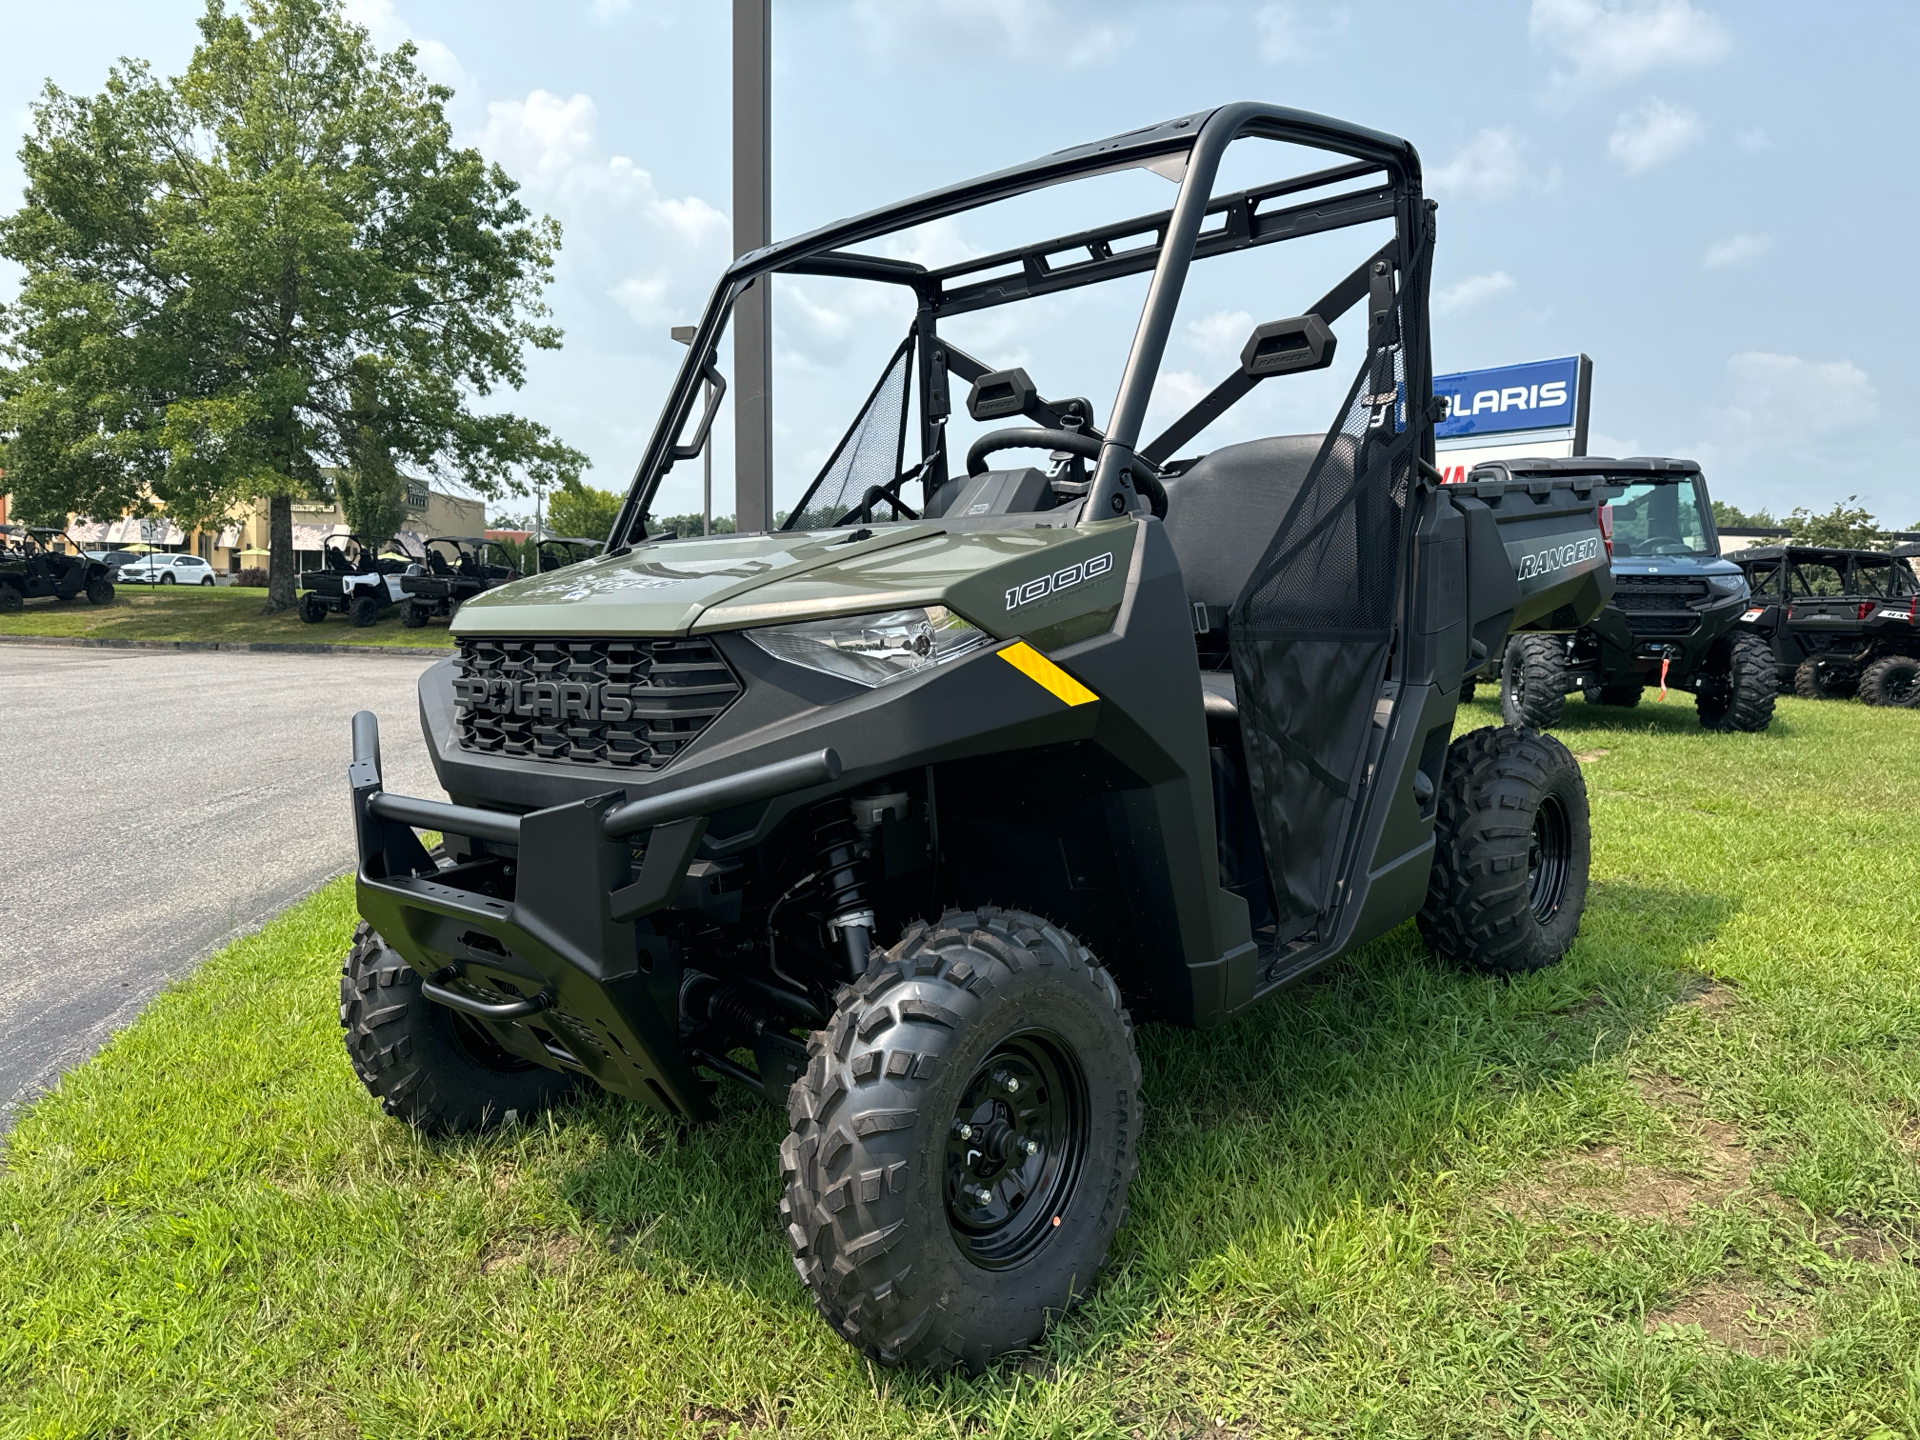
pixel 426 1064
pixel 1892 680
pixel 1533 681
pixel 100 592
pixel 312 609
pixel 363 611
pixel 1624 696
pixel 1820 678
pixel 1511 850
pixel 1746 701
pixel 881 1181
pixel 10 600
pixel 413 615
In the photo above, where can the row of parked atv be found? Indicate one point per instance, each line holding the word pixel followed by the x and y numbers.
pixel 363 578
pixel 1735 631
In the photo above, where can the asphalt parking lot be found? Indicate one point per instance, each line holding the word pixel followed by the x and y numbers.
pixel 163 802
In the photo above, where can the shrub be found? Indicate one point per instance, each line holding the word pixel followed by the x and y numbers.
pixel 254 575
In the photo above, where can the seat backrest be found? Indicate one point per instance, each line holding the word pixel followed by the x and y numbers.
pixel 1223 513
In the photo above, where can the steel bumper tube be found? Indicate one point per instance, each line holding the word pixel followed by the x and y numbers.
pixel 567 938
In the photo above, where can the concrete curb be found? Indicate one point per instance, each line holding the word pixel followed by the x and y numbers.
pixel 268 647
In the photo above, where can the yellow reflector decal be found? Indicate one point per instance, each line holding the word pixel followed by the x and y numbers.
pixel 1044 673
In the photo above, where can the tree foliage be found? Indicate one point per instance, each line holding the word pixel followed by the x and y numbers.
pixel 275 263
pixel 1725 515
pixel 1848 526
pixel 577 509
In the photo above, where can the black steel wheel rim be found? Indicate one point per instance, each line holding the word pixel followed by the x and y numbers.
pixel 1549 856
pixel 1015 1148
pixel 1900 684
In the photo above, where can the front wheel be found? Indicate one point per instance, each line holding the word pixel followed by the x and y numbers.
pixel 1740 696
pixel 166 580
pixel 1624 696
pixel 100 592
pixel 432 1067
pixel 1533 681
pixel 1892 680
pixel 1510 854
pixel 962 1141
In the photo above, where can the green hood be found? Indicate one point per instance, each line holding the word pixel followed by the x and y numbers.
pixel 726 582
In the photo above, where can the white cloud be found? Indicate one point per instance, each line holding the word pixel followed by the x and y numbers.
pixel 387 30
pixel 1752 141
pixel 1736 250
pixel 643 297
pixel 1609 42
pixel 1491 166
pixel 1598 444
pixel 1652 135
pixel 1221 335
pixel 1784 400
pixel 1071 34
pixel 548 144
pixel 1467 293
pixel 1293 30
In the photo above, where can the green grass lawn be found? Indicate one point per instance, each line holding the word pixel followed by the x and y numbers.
pixel 1671 1187
pixel 226 612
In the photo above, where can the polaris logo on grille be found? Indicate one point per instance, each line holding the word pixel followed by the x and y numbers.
pixel 1059 580
pixel 1559 557
pixel 547 699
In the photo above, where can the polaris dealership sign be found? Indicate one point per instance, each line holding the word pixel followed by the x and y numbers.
pixel 1536 409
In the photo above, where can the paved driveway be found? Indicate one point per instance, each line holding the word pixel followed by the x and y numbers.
pixel 162 802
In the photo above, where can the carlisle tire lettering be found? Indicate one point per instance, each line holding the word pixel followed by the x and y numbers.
pixel 1045 585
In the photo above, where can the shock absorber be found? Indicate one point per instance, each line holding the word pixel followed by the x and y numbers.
pixel 845 891
pixel 843 844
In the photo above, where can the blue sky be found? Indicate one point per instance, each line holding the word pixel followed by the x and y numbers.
pixel 1684 192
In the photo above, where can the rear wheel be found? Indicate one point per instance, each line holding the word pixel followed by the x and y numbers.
pixel 1511 849
pixel 100 592
pixel 10 600
pixel 205 581
pixel 313 609
pixel 1821 678
pixel 1533 681
pixel 1739 696
pixel 364 611
pixel 962 1141
pixel 1624 696
pixel 1892 680
pixel 414 615
pixel 432 1067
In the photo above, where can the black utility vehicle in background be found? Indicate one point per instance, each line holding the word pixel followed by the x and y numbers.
pixel 556 552
pixel 41 561
pixel 456 568
pixel 903 814
pixel 1837 621
pixel 359 578
pixel 1674 619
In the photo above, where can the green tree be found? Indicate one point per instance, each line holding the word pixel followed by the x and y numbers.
pixel 1848 526
pixel 274 263
pixel 1725 515
pixel 576 509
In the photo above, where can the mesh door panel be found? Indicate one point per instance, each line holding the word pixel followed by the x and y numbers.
pixel 1309 638
pixel 869 453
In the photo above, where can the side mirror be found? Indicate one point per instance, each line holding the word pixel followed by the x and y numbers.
pixel 1282 347
pixel 716 389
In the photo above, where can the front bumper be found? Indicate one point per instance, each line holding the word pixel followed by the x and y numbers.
pixel 536 936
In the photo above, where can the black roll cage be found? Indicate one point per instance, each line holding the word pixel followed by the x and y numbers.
pixel 1179 235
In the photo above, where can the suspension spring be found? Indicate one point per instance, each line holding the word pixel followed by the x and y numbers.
pixel 841 861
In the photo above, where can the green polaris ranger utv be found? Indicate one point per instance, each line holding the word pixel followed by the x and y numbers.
pixel 905 814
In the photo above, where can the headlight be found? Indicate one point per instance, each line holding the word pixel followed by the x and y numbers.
pixel 872 649
pixel 1727 584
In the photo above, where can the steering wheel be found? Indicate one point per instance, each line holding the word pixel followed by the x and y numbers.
pixel 1073 442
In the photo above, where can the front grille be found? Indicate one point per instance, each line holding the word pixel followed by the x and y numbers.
pixel 1657 592
pixel 1663 624
pixel 624 704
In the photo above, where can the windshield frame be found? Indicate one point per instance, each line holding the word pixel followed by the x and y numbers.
pixel 1201 140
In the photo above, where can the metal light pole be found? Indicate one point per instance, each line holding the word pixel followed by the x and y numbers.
pixel 684 334
pixel 752 228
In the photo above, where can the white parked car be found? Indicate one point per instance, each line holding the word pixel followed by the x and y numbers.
pixel 167 570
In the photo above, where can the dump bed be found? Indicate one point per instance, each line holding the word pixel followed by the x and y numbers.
pixel 1536 553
